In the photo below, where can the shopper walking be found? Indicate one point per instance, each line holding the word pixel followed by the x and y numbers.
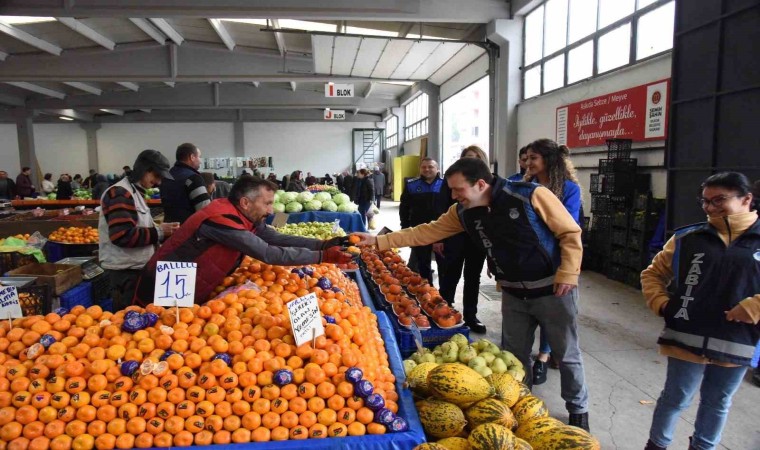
pixel 128 234
pixel 217 236
pixel 7 187
pixel 704 283
pixel 534 250
pixel 365 193
pixel 458 253
pixel 24 185
pixel 186 193
pixel 378 179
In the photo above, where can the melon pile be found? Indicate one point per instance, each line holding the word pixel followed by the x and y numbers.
pixel 460 409
pixel 227 371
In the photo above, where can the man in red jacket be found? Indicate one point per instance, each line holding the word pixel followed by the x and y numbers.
pixel 217 237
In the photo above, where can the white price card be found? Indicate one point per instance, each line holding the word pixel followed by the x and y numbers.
pixel 10 308
pixel 305 318
pixel 175 283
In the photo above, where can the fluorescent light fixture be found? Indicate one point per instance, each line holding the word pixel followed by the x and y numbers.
pixel 262 22
pixel 104 110
pixel 327 109
pixel 417 36
pixel 308 26
pixel 21 20
pixel 371 32
pixel 65 118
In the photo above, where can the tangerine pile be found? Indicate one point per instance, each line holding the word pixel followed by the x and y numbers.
pixel 75 235
pixel 73 394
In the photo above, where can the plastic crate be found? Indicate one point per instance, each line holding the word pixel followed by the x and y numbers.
pixel 56 251
pixel 627 165
pixel 601 222
pixel 619 183
pixel 14 260
pixel 101 286
pixel 619 148
pixel 35 299
pixel 430 338
pixel 596 183
pixel 607 204
pixel 80 294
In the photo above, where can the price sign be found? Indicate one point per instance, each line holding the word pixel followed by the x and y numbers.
pixel 175 283
pixel 305 318
pixel 10 308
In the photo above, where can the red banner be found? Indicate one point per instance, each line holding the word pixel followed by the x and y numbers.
pixel 639 113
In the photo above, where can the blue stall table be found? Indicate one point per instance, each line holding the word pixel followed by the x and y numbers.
pixel 350 222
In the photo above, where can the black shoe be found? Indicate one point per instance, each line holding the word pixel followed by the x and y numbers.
pixel 539 372
pixel 553 363
pixel 652 446
pixel 475 326
pixel 691 447
pixel 579 420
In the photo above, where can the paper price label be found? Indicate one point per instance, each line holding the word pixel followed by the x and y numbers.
pixel 9 303
pixel 175 283
pixel 305 318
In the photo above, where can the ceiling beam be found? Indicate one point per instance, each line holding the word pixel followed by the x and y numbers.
pixel 405 29
pixel 232 115
pixel 38 89
pixel 370 88
pixel 3 55
pixel 475 11
pixel 84 87
pixel 149 29
pixel 28 39
pixel 169 83
pixel 293 86
pixel 129 85
pixel 78 115
pixel 87 32
pixel 279 38
pixel 7 99
pixel 146 111
pixel 222 32
pixel 168 30
pixel 116 112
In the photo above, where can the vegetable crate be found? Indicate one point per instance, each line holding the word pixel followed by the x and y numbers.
pixel 430 338
pixel 619 148
pixel 14 260
pixel 56 251
pixel 35 299
pixel 80 294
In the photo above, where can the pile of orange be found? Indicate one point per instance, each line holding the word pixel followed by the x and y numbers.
pixel 72 395
pixel 75 235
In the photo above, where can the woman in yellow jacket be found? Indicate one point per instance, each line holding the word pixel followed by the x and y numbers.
pixel 705 283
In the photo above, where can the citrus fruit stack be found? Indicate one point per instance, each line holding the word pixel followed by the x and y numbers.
pixel 75 235
pixel 226 371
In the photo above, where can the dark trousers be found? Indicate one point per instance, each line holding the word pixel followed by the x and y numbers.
pixel 377 199
pixel 459 251
pixel 123 284
pixel 422 254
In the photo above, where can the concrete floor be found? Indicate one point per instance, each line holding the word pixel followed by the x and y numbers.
pixel 624 371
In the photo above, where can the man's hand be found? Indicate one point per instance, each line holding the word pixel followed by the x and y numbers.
pixel 367 239
pixel 336 256
pixel 340 241
pixel 738 314
pixel 169 227
pixel 438 249
pixel 562 289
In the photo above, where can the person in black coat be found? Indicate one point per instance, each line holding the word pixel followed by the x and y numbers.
pixel 65 191
pixel 7 187
pixel 365 193
pixel 348 184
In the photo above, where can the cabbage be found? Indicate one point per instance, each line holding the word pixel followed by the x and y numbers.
pixel 329 205
pixel 293 207
pixel 278 207
pixel 322 196
pixel 288 197
pixel 305 197
pixel 277 195
pixel 314 205
pixel 347 207
pixel 340 199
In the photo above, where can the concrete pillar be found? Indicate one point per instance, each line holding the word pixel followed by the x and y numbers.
pixel 506 91
pixel 26 151
pixel 92 144
pixel 238 140
pixel 434 122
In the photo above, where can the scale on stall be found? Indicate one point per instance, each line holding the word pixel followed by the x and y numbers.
pixel 89 265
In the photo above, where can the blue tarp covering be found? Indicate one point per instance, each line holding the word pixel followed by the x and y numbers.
pixel 350 222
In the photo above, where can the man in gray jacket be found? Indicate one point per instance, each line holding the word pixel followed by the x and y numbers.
pixel 378 178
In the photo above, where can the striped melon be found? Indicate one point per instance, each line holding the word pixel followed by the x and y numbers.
pixel 507 388
pixel 529 408
pixel 441 419
pixel 490 410
pixel 566 438
pixel 522 445
pixel 458 384
pixel 491 436
pixel 524 391
pixel 531 429
pixel 417 378
pixel 455 443
pixel 429 446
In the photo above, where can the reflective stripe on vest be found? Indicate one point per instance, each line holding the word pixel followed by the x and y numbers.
pixel 714 344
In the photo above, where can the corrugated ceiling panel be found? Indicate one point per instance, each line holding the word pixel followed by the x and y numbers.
pixel 118 30
pixel 323 51
pixel 369 53
pixel 392 55
pixel 344 54
pixel 458 62
pixel 470 74
pixel 418 54
pixel 440 56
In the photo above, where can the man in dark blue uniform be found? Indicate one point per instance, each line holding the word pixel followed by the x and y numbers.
pixel 187 193
pixel 420 203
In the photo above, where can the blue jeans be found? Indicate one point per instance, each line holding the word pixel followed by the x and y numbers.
pixel 543 345
pixel 716 385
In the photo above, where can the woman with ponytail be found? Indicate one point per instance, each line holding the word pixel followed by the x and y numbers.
pixel 549 165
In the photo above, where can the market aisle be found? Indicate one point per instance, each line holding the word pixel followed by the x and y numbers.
pixel 624 371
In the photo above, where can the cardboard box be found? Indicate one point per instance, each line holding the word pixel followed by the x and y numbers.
pixel 60 277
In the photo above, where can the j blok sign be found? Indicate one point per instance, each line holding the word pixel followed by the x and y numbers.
pixel 335 114
pixel 639 113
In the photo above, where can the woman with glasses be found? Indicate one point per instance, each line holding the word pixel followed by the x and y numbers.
pixel 705 283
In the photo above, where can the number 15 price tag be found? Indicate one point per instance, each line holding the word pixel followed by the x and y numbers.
pixel 175 283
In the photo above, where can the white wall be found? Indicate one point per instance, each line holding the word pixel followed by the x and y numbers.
pixel 536 119
pixel 61 148
pixel 9 157
pixel 314 147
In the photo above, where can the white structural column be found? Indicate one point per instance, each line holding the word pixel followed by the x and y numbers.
pixel 92 144
pixel 506 92
pixel 434 121
pixel 26 151
pixel 238 130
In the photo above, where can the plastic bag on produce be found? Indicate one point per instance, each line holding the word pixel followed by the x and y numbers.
pixel 372 223
pixel 336 226
pixel 37 240
pixel 247 286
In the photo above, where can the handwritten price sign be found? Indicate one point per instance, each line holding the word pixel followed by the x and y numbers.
pixel 10 308
pixel 305 318
pixel 175 283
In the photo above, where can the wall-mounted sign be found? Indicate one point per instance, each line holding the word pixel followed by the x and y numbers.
pixel 335 114
pixel 339 90
pixel 639 114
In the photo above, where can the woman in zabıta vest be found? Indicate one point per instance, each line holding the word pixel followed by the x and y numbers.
pixel 705 283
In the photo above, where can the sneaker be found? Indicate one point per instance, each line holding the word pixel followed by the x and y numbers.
pixel 539 372
pixel 652 446
pixel 475 325
pixel 579 420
